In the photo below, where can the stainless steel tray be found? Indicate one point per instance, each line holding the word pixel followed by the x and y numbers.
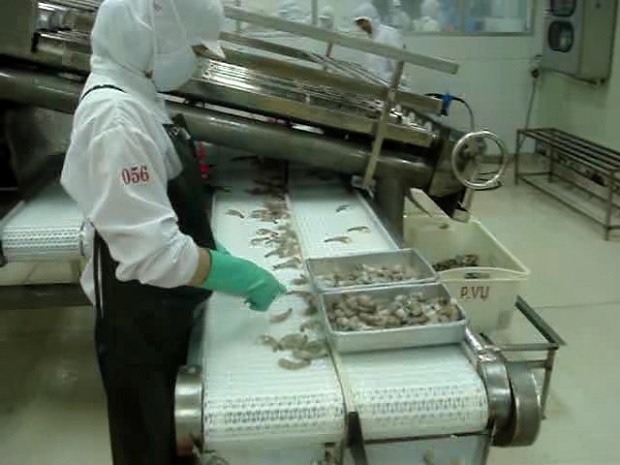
pixel 398 338
pixel 407 258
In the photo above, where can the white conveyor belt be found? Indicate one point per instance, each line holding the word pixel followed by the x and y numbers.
pixel 398 394
pixel 47 227
pixel 247 396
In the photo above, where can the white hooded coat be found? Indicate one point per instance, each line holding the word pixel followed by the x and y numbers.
pixel 381 34
pixel 327 18
pixel 116 134
pixel 428 22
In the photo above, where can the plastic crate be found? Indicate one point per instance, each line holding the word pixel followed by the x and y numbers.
pixel 488 292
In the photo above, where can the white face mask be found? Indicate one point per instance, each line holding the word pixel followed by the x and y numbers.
pixel 174 69
pixel 174 60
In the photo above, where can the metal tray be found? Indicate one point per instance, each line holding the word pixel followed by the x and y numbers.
pixel 398 338
pixel 408 258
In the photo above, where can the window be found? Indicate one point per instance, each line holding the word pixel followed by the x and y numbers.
pixel 498 16
pixel 461 17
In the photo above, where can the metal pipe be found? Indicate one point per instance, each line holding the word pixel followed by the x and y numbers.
pixel 274 141
pixel 382 126
pixel 315 13
pixel 539 323
pixel 82 4
pixel 55 93
pixel 238 23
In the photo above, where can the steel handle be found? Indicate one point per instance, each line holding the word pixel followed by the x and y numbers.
pixel 465 142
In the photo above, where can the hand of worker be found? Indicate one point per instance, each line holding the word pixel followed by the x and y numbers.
pixel 243 278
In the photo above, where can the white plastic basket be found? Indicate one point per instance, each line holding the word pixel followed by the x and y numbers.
pixel 488 293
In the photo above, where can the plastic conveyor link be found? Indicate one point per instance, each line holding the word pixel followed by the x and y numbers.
pixel 250 400
pixel 46 227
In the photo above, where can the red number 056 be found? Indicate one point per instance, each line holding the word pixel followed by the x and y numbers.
pixel 136 175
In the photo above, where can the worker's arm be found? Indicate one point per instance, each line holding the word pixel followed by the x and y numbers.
pixel 133 214
pixel 203 268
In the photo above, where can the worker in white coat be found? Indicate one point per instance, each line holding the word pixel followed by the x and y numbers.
pixel 134 175
pixel 367 18
pixel 428 21
pixel 327 18
pixel 400 18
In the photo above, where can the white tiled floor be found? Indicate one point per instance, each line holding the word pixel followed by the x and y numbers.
pixel 51 402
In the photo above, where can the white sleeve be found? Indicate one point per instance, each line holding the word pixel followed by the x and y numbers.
pixel 132 212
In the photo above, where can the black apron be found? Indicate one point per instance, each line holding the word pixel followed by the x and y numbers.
pixel 142 332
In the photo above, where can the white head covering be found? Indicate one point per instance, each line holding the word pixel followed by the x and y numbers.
pixel 203 21
pixel 430 8
pixel 368 12
pixel 326 15
pixel 141 36
pixel 122 37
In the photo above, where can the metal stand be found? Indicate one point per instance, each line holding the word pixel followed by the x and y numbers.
pixel 549 348
pixel 582 164
pixel 382 126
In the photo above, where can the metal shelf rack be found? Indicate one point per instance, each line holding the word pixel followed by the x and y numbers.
pixel 581 164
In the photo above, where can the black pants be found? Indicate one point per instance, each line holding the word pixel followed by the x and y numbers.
pixel 140 405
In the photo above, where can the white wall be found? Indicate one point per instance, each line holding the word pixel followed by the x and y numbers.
pixel 493 78
pixel 589 112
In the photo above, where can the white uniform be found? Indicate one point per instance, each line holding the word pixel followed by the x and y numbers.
pixel 121 158
pixel 327 18
pixel 381 34
pixel 428 22
pixel 400 18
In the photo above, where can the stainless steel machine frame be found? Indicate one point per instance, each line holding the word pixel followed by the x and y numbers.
pixel 516 407
pixel 52 37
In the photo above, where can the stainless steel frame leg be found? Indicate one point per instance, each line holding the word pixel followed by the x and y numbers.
pixel 551 156
pixel 517 156
pixel 610 206
pixel 544 397
pixel 390 195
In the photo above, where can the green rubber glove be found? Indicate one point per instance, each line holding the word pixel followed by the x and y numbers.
pixel 220 247
pixel 243 278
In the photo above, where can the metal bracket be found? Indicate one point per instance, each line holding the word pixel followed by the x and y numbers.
pixel 354 436
pixel 188 403
pixel 382 125
pixel 492 369
pixel 355 439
